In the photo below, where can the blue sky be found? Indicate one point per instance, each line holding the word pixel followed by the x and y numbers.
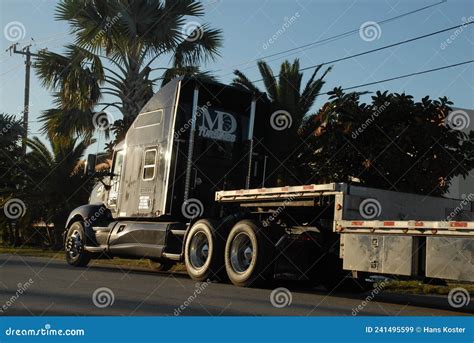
pixel 249 25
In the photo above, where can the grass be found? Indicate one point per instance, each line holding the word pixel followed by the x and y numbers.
pixel 59 255
pixel 418 287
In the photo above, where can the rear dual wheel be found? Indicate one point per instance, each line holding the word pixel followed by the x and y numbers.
pixel 245 257
pixel 248 255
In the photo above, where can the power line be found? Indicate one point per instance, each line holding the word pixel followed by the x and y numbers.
pixel 332 38
pixel 381 48
pixel 46 39
pixel 12 69
pixel 33 42
pixel 356 30
pixel 309 46
pixel 404 76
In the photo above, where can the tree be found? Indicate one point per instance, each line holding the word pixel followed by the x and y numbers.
pixel 11 132
pixel 54 184
pixel 289 104
pixel 392 143
pixel 116 45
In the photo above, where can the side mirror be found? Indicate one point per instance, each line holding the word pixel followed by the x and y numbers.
pixel 89 169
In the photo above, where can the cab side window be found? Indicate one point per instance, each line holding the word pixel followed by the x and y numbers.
pixel 149 165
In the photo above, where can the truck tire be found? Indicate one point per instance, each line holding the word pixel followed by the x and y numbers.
pixel 248 255
pixel 74 245
pixel 204 251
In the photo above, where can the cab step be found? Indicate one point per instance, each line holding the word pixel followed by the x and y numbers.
pixel 173 257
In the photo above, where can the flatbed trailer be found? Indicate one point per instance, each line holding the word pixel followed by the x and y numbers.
pixel 400 233
pixel 186 185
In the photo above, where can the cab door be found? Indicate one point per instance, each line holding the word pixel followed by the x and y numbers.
pixel 114 193
pixel 149 188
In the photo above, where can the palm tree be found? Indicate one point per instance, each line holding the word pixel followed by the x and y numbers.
pixel 54 184
pixel 116 45
pixel 284 93
pixel 11 133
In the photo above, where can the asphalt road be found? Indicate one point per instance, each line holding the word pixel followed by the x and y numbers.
pixel 58 289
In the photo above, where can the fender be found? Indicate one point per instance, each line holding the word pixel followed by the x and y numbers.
pixel 92 215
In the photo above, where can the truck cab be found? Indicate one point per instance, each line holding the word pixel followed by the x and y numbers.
pixel 191 139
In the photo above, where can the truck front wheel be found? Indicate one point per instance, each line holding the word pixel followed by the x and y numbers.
pixel 75 244
pixel 248 255
pixel 204 251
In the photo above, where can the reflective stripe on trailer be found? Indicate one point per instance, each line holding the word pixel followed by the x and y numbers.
pixel 406 227
pixel 407 224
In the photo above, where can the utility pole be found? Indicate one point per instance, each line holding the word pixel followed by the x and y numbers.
pixel 26 104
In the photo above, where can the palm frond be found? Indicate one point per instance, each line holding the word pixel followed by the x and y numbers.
pixel 202 44
pixel 269 80
pixel 244 82
pixel 66 122
pixel 312 90
pixel 194 71
pixel 77 76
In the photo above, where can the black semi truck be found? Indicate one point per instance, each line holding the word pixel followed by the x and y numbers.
pixel 189 183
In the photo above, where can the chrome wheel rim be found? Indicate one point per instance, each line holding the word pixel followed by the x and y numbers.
pixel 74 244
pixel 199 250
pixel 241 253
